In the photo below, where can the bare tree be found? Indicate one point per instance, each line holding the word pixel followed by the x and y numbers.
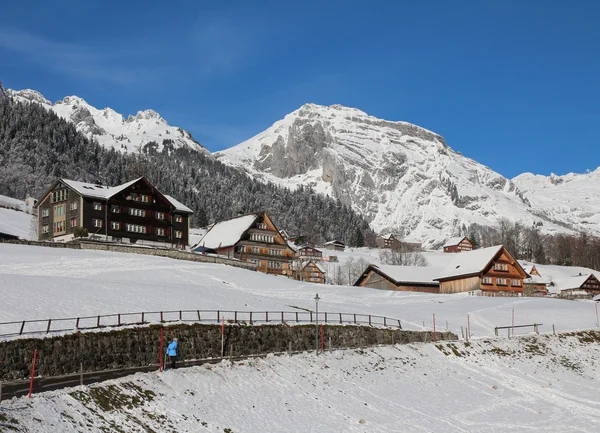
pixel 402 256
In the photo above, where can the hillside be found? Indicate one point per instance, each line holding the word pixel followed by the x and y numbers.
pixel 544 384
pixel 81 283
pixel 401 177
pixel 37 146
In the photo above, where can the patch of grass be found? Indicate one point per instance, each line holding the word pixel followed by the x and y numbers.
pixel 498 351
pixel 8 424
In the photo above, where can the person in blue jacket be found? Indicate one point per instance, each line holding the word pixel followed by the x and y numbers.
pixel 172 352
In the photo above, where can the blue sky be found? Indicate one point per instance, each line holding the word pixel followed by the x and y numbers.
pixel 512 84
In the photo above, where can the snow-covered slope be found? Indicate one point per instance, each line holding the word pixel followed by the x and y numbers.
pixel 15 218
pixel 110 128
pixel 401 177
pixel 544 384
pixel 573 198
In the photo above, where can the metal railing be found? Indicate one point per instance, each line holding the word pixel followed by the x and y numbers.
pixel 47 326
pixel 511 328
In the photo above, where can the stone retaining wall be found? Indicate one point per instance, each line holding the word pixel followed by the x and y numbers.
pixel 136 347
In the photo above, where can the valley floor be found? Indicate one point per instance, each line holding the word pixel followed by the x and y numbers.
pixel 534 384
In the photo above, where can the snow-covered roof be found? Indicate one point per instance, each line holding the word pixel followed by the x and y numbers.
pixel 454 241
pixel 574 282
pixel 178 205
pixel 95 190
pixel 319 266
pixel 387 237
pixel 410 274
pixel 469 262
pixel 335 242
pixel 227 233
pixel 536 279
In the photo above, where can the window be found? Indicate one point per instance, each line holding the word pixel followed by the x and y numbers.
pixel 178 218
pixel 515 283
pixel 486 280
pixel 45 229
pixel 275 265
pixel 45 213
pixel 501 281
pixel 261 238
pixel 59 210
pixel 73 205
pixel 160 215
pixel 137 212
pixel 274 252
pixel 255 250
pixel 59 227
pixel 59 195
pixel 115 208
pixel 115 225
pixel 262 226
pixel 144 198
pixel 160 231
pixel 97 206
pixel 97 222
pixel 73 222
pixel 500 267
pixel 134 228
pixel 178 234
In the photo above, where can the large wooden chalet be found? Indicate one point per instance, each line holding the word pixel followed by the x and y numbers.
pixel 131 212
pixel 457 245
pixel 401 278
pixel 582 286
pixel 311 252
pixel 492 271
pixel 253 238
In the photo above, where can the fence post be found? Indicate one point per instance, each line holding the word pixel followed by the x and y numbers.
pixel 553 330
pixel 251 317
pixel 369 320
pixel 340 318
pixel 98 322
pixel 282 321
pixel 266 316
pixel 77 324
pixel 496 331
pixel 22 327
pixel 355 319
pixel 325 316
pixel 399 325
pixel 311 317
pixel 384 321
pixel 235 316
pixel 119 319
pixel 32 372
pixel 180 316
pixel 218 316
pixel 535 328
pixel 198 312
pixel 48 328
pixel 161 317
pixel 296 317
pixel 142 317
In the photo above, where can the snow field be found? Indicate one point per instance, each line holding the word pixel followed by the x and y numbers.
pixel 543 384
pixel 44 283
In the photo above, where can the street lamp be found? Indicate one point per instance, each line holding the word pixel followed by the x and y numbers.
pixel 317 323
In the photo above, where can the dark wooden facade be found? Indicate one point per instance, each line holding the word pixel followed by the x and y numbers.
pixel 459 245
pixel 138 212
pixel 311 252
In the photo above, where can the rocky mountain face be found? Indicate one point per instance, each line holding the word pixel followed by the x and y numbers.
pixel 405 179
pixel 147 129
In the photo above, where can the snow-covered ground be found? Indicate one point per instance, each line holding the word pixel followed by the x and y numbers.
pixel 42 283
pixel 544 384
pixel 14 219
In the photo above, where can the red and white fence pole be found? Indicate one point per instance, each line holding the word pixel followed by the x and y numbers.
pixel 513 322
pixel 160 352
pixel 32 372
pixel 434 331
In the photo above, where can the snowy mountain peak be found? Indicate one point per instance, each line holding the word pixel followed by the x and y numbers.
pixel 403 178
pixel 110 129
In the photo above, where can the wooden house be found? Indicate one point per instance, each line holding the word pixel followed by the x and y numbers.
pixel 312 271
pixel 457 245
pixel 388 241
pixel 488 271
pixel 582 286
pixel 402 278
pixel 253 238
pixel 535 284
pixel 335 245
pixel 134 212
pixel 307 251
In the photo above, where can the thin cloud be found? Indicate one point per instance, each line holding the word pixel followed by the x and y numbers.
pixel 76 60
